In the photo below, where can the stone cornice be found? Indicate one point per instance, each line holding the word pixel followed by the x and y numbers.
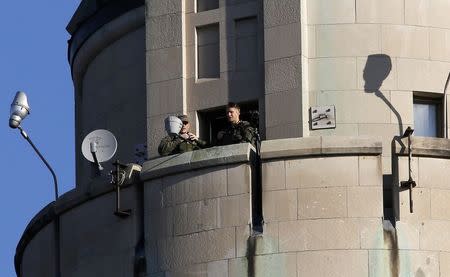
pixel 209 157
pixel 320 146
pixel 424 147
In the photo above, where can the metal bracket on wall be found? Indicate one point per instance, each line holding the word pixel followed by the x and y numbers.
pixel 322 117
pixel 118 178
pixel 410 184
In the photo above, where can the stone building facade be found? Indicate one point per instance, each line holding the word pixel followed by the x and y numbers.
pixel 331 199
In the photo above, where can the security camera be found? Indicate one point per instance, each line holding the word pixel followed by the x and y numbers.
pixel 19 109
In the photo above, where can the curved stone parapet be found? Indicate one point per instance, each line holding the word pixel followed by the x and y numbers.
pixel 326 211
pixel 198 206
pixel 79 235
pixel 76 216
pixel 322 199
pixel 429 224
pixel 189 161
pixel 311 201
pixel 323 203
pixel 424 147
pixel 317 146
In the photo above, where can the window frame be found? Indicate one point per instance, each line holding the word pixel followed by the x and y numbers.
pixel 428 98
pixel 217 117
pixel 198 78
pixel 210 9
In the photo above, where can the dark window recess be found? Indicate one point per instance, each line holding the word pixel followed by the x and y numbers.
pixel 208 51
pixel 213 120
pixel 246 44
pixel 428 115
pixel 206 5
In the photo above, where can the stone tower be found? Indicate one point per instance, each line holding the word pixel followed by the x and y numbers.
pixel 331 199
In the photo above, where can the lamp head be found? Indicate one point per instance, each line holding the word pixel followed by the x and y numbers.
pixel 19 109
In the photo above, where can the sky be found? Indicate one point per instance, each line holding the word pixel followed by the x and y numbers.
pixel 33 59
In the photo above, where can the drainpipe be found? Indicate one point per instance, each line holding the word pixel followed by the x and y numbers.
pixel 410 184
pixel 257 213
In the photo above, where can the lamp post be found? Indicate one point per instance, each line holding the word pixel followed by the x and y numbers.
pixel 19 110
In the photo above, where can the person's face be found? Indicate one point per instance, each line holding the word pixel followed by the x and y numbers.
pixel 233 115
pixel 185 127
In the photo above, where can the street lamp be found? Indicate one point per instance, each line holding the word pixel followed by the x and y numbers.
pixel 19 110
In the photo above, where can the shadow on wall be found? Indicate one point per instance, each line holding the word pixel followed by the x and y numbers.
pixel 377 69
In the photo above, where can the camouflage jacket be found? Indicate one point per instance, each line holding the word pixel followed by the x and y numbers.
pixel 174 144
pixel 237 133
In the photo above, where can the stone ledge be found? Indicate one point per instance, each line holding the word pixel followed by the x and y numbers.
pixel 209 157
pixel 424 146
pixel 318 146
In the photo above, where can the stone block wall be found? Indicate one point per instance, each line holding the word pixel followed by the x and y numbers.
pixel 324 199
pixel 283 69
pixel 322 207
pixel 323 211
pixel 164 66
pixel 172 59
pixel 40 263
pixel 428 226
pixel 196 221
pixel 326 210
pixel 108 72
pixel 96 242
pixel 368 58
pixel 322 195
pixel 322 202
pixel 81 236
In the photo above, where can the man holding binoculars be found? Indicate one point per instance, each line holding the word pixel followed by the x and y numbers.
pixel 179 139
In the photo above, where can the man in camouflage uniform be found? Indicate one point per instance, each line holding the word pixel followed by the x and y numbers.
pixel 185 141
pixel 237 131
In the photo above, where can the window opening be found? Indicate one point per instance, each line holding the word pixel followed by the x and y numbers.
pixel 428 114
pixel 211 121
pixel 208 51
pixel 206 5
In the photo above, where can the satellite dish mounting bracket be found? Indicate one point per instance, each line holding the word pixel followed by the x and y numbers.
pixel 118 178
pixel 93 148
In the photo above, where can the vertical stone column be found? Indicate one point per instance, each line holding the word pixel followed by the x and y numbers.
pixel 282 62
pixel 164 54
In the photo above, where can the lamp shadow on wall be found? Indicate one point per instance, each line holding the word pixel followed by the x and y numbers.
pixel 377 69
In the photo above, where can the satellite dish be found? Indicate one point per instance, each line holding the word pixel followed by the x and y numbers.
pixel 99 146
